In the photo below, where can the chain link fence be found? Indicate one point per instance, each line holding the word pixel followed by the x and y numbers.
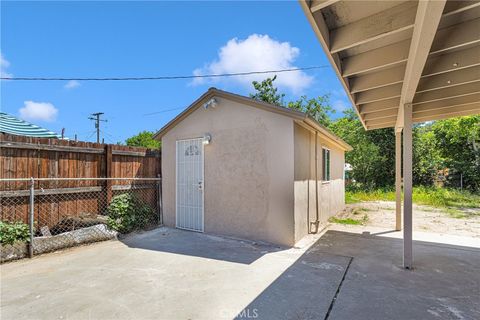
pixel 44 215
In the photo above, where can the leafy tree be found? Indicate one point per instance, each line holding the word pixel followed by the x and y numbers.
pixel 143 139
pixel 458 142
pixel 267 92
pixel 318 108
pixel 427 159
pixel 371 158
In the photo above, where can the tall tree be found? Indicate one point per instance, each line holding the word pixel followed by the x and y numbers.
pixel 318 108
pixel 372 157
pixel 427 159
pixel 265 91
pixel 458 142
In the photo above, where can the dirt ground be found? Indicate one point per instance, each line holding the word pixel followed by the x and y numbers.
pixel 425 218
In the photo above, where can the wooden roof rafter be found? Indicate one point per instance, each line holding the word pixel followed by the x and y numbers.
pixel 388 54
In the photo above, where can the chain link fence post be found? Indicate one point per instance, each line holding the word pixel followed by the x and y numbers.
pixel 31 216
pixel 159 198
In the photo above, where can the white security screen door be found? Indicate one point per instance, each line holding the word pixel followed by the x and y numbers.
pixel 189 193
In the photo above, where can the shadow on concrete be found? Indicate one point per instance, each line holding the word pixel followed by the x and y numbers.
pixel 199 245
pixel 444 283
pixel 379 233
pixel 304 291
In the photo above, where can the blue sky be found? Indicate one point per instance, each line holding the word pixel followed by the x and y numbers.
pixel 102 39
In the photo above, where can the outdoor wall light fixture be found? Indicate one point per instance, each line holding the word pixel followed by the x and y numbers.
pixel 212 103
pixel 207 137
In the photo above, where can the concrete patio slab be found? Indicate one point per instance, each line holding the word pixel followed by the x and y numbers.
pixel 444 283
pixel 173 274
pixel 161 274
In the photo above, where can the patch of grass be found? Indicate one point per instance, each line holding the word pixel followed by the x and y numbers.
pixel 444 198
pixel 345 221
pixel 450 199
pixel 370 195
pixel 349 221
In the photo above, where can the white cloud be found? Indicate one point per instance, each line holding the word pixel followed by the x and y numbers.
pixel 256 53
pixel 4 64
pixel 42 111
pixel 72 84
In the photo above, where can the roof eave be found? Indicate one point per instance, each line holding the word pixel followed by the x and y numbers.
pixel 214 92
pixel 294 114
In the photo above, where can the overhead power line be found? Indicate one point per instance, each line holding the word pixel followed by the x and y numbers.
pixel 163 111
pixel 164 77
pixel 115 137
pixel 90 135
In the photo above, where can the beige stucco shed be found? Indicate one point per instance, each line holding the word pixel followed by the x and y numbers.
pixel 235 166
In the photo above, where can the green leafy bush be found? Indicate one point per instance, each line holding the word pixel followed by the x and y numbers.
pixel 11 232
pixel 127 213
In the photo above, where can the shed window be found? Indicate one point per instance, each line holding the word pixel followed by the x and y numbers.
pixel 326 164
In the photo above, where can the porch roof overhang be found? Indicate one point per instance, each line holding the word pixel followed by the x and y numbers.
pixel 390 53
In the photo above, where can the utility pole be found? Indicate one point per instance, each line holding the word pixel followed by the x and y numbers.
pixel 96 118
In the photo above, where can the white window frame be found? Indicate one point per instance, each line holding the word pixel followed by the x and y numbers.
pixel 326 170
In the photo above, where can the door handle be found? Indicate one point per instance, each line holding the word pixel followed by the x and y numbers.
pixel 200 185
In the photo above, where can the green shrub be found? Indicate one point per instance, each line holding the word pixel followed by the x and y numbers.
pixel 127 213
pixel 11 232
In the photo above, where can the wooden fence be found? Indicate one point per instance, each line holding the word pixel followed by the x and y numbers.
pixel 25 157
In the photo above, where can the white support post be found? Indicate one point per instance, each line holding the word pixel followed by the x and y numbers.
pixel 407 187
pixel 398 180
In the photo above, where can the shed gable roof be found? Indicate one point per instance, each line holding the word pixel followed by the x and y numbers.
pixel 214 92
